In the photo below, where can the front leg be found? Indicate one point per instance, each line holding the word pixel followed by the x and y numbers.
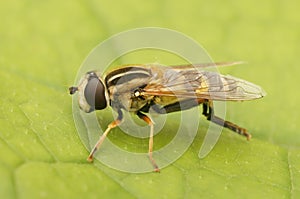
pixel 208 112
pixel 104 135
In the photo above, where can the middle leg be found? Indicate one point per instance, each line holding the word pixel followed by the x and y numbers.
pixel 150 151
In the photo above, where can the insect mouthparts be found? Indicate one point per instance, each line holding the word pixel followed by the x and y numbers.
pixel 73 90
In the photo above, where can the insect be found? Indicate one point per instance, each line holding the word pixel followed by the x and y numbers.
pixel 137 88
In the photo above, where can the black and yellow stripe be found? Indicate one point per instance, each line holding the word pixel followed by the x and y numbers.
pixel 125 75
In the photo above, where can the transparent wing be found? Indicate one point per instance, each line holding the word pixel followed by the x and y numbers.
pixel 193 83
pixel 206 65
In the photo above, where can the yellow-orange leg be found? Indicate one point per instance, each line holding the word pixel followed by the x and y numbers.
pixel 150 151
pixel 101 139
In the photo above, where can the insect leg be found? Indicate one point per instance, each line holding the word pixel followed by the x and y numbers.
pixel 150 123
pixel 208 112
pixel 177 106
pixel 103 136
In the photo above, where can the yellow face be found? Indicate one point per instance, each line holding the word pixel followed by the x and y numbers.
pixel 92 93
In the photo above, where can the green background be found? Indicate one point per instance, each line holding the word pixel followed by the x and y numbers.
pixel 42 45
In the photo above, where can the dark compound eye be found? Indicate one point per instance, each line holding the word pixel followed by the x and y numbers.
pixel 94 94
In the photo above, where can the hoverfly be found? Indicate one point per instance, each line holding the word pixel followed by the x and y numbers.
pixel 137 88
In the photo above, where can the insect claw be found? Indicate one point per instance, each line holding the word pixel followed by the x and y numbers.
pixel 248 136
pixel 156 170
pixel 90 158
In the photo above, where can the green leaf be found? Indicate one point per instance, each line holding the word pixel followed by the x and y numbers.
pixel 42 47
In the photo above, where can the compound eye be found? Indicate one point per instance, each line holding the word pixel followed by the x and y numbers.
pixel 94 94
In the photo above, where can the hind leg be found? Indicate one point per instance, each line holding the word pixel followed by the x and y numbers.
pixel 208 112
